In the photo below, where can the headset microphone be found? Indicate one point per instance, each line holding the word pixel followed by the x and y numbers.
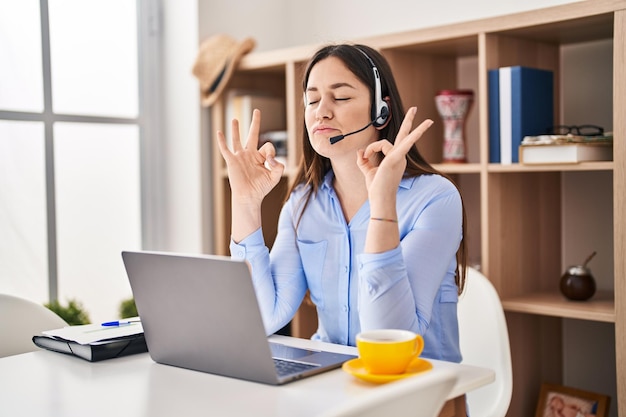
pixel 336 139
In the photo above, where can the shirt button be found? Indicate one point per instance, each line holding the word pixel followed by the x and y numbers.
pixel 240 254
pixel 345 269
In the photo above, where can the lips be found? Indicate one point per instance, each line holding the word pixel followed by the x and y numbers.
pixel 324 130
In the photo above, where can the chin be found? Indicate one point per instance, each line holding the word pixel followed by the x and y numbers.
pixel 319 143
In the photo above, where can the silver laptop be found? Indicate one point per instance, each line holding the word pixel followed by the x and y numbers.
pixel 200 312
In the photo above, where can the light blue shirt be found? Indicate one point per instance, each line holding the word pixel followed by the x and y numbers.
pixel 410 287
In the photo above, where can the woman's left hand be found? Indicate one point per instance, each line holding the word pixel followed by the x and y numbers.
pixel 383 179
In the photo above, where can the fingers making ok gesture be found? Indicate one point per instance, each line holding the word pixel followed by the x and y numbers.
pixel 252 172
pixel 384 177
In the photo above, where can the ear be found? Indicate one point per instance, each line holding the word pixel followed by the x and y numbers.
pixel 388 101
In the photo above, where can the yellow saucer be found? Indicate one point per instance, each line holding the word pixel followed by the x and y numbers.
pixel 355 367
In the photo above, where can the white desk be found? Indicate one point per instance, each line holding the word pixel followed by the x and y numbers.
pixel 51 384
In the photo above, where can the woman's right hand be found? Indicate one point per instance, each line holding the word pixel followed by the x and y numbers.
pixel 252 173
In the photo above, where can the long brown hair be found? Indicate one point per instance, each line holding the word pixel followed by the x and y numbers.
pixel 313 167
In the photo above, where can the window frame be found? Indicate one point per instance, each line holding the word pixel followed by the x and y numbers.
pixel 149 43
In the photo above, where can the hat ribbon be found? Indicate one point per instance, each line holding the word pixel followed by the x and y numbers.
pixel 218 79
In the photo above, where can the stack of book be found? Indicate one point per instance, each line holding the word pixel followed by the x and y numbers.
pixel 565 149
pixel 520 104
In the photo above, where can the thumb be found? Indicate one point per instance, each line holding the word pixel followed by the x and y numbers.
pixel 275 167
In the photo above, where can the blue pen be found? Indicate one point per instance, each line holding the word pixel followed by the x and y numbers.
pixel 118 323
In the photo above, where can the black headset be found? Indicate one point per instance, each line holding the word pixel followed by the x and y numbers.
pixel 380 108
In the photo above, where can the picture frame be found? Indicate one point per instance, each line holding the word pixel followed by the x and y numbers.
pixel 561 401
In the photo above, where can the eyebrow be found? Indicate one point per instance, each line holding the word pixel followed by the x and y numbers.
pixel 333 86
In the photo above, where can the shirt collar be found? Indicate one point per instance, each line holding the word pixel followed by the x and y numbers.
pixel 327 184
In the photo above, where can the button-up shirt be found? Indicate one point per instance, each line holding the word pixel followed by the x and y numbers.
pixel 410 287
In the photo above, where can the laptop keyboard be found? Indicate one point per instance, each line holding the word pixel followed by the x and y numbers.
pixel 284 367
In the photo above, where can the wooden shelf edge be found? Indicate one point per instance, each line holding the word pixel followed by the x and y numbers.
pixel 583 166
pixel 288 173
pixel 600 307
pixel 469 168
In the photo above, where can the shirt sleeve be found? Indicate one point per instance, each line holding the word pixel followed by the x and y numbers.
pixel 398 288
pixel 280 286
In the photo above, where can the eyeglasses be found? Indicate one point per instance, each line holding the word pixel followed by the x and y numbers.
pixel 582 130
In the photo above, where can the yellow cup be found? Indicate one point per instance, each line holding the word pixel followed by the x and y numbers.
pixel 388 351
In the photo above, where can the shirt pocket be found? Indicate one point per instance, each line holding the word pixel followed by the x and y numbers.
pixel 313 255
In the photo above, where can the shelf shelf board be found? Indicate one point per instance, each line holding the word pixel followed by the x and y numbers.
pixel 455 168
pixel 276 60
pixel 584 29
pixel 475 168
pixel 446 46
pixel 583 166
pixel 600 307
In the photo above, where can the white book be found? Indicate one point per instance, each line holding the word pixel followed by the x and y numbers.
pixel 91 333
pixel 569 153
pixel 506 128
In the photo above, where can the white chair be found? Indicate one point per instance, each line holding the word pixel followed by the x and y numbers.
pixel 422 395
pixel 484 340
pixel 20 320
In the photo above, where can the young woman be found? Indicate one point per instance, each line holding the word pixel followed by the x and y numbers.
pixel 369 228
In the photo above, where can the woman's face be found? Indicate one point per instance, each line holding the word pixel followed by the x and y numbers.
pixel 336 102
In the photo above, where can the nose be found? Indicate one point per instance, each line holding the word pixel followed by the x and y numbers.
pixel 324 109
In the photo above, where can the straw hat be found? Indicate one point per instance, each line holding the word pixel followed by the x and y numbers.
pixel 217 57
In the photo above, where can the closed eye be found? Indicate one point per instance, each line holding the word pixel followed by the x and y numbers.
pixel 311 102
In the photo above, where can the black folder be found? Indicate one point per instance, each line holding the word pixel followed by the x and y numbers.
pixel 96 351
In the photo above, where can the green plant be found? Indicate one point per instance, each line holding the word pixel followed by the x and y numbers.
pixel 128 308
pixel 73 313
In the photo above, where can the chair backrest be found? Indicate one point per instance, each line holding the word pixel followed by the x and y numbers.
pixel 484 342
pixel 422 395
pixel 20 320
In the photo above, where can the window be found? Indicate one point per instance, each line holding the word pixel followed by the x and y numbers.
pixel 72 140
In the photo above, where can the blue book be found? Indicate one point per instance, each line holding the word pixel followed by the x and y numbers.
pixel 494 116
pixel 526 107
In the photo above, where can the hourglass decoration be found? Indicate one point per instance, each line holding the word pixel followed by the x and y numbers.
pixel 453 107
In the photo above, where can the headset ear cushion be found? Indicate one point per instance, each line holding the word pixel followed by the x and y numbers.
pixel 383 114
